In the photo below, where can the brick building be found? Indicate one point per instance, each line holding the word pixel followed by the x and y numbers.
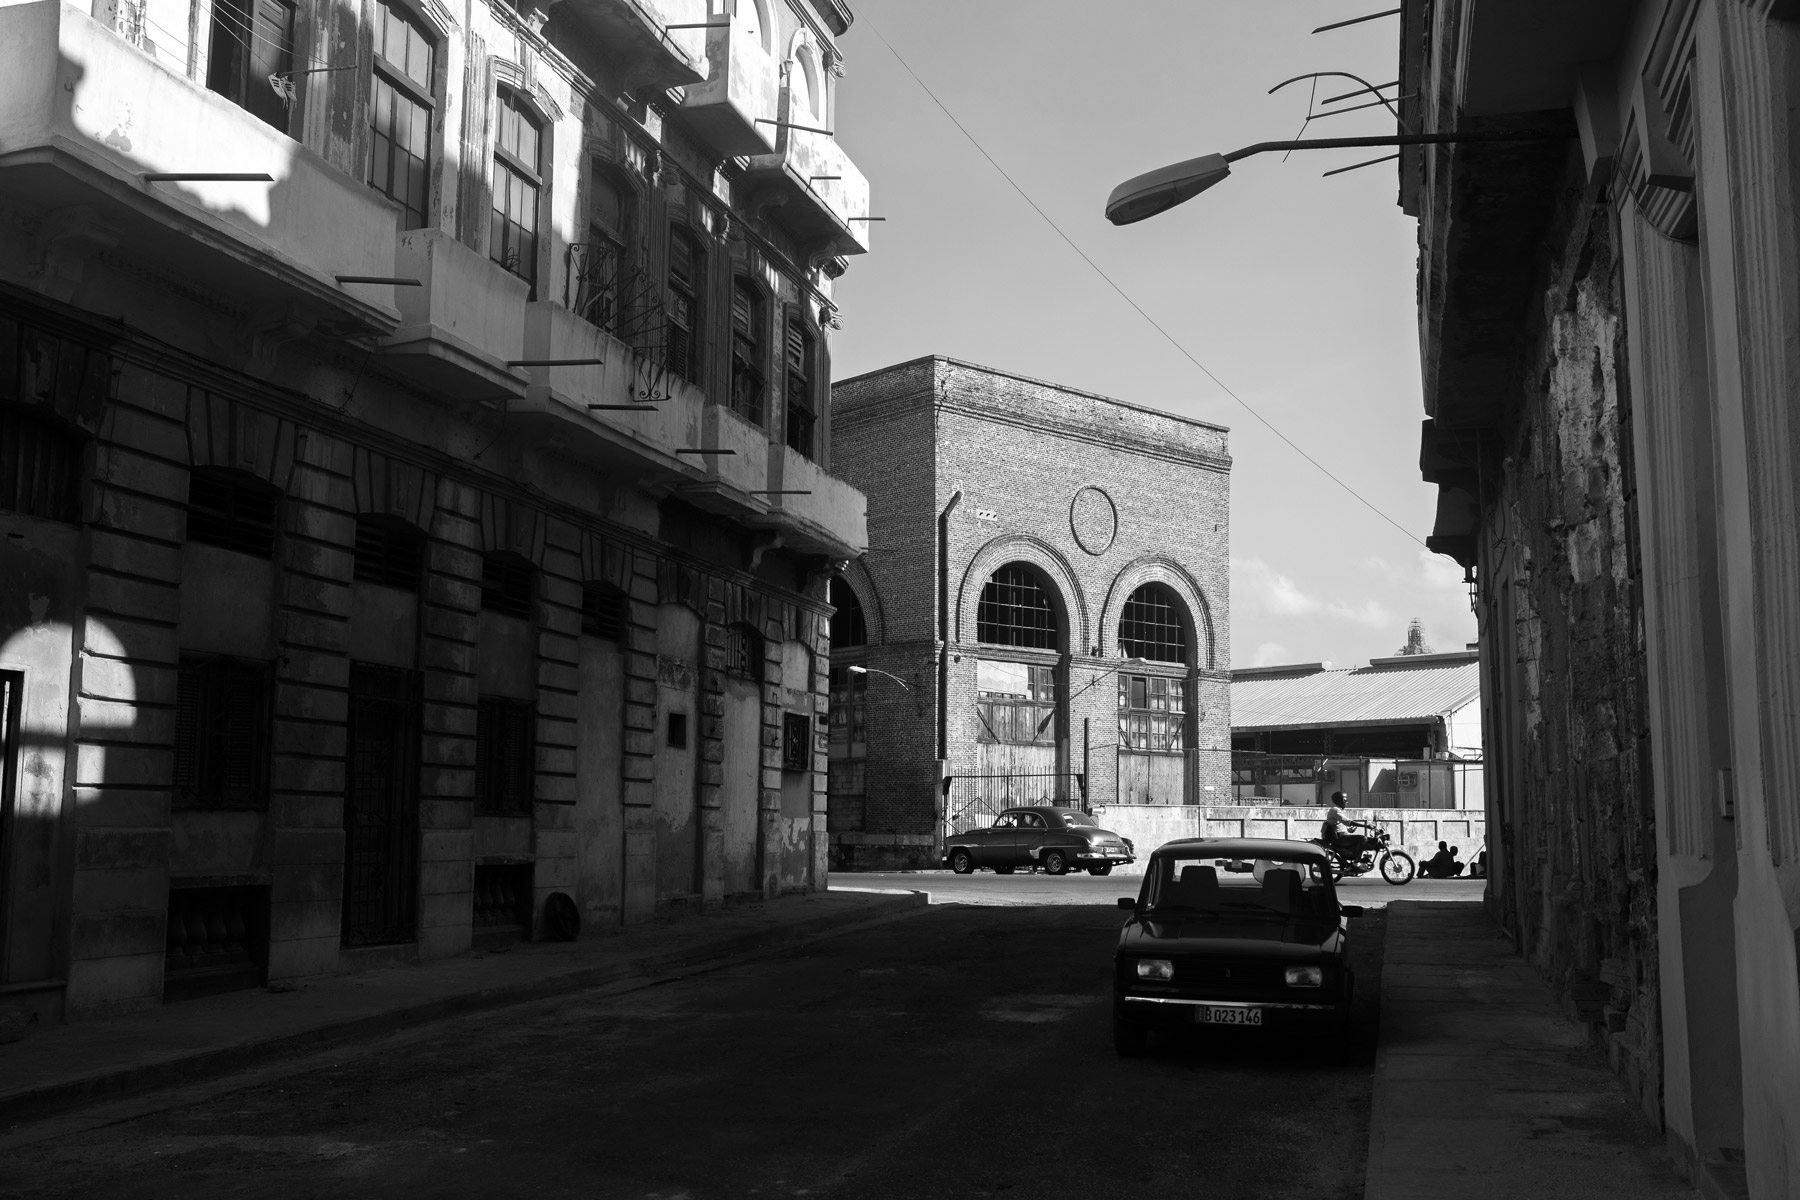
pixel 1024 539
pixel 433 517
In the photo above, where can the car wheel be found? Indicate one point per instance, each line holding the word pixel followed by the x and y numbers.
pixel 1055 863
pixel 1003 870
pixel 962 862
pixel 1102 869
pixel 1397 867
pixel 1130 1039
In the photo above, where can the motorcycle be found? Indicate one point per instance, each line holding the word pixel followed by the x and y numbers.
pixel 1396 866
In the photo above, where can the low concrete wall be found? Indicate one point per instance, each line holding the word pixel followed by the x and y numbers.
pixel 854 851
pixel 1416 830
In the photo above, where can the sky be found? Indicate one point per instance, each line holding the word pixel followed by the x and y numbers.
pixel 1296 291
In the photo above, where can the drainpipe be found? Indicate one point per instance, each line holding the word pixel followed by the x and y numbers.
pixel 943 687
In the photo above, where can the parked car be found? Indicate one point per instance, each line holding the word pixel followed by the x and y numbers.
pixel 1055 839
pixel 1207 947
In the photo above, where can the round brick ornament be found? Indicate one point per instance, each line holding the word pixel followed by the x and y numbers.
pixel 1094 520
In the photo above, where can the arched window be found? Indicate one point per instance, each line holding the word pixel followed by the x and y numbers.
pixel 848 626
pixel 1016 610
pixel 1151 626
pixel 765 27
pixel 806 84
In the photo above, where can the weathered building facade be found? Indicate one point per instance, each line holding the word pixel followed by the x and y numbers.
pixel 1024 539
pixel 414 447
pixel 1614 437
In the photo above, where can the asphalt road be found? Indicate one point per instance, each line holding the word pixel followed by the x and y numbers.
pixel 964 1052
pixel 987 888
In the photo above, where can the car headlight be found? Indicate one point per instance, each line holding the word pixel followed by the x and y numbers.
pixel 1155 968
pixel 1305 976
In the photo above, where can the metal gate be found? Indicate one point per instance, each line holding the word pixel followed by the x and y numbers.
pixel 975 800
pixel 381 807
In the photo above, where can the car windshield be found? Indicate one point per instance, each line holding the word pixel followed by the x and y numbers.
pixel 1267 887
pixel 1081 820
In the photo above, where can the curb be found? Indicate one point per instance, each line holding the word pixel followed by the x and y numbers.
pixel 33 1104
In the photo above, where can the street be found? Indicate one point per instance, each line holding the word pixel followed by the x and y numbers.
pixel 987 888
pixel 962 1052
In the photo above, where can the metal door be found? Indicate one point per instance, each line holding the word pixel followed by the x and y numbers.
pixel 381 808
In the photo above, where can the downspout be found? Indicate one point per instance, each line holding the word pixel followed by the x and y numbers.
pixel 943 638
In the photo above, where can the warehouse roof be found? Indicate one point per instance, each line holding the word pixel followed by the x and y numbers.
pixel 1389 691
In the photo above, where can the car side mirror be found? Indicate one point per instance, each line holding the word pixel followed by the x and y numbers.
pixel 1127 901
pixel 1352 910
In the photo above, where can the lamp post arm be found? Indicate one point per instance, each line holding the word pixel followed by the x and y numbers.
pixel 1393 139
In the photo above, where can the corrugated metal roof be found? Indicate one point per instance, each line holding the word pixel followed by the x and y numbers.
pixel 1378 693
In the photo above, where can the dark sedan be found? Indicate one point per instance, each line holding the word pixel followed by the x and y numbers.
pixel 1268 948
pixel 1055 839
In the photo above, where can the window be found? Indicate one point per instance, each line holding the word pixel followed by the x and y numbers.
pixel 505 744
pixel 400 111
pixel 512 238
pixel 1015 703
pixel 40 463
pixel 848 627
pixel 236 512
pixel 743 652
pixel 388 552
pixel 221 734
pixel 802 417
pixel 748 376
pixel 678 731
pixel 1015 610
pixel 682 349
pixel 605 611
pixel 1152 713
pixel 601 263
pixel 849 708
pixel 796 742
pixel 1151 626
pixel 506 584
pixel 250 57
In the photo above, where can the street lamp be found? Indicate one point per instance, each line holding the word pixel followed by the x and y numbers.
pixel 877 671
pixel 1158 191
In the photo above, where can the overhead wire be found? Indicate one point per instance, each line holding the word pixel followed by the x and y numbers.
pixel 1180 348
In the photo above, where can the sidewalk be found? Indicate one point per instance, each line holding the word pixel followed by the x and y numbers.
pixel 1483 1089
pixel 53 1069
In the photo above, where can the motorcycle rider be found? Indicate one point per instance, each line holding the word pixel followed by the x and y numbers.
pixel 1348 845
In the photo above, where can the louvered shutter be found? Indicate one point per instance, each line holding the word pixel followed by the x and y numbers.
pixel 188 692
pixel 484 755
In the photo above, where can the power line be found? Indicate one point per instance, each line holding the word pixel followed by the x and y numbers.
pixel 1126 296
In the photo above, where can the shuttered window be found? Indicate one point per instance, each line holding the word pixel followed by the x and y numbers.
pixel 748 373
pixel 506 584
pixel 250 57
pixel 605 611
pixel 388 552
pixel 40 462
pixel 221 734
pixel 233 511
pixel 505 745
pixel 802 415
pixel 681 348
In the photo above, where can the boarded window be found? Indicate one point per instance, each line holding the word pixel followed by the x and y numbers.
pixel 796 742
pixel 232 510
pixel 1151 626
pixel 848 625
pixel 222 722
pixel 505 746
pixel 1016 610
pixel 802 415
pixel 40 464
pixel 389 552
pixel 1015 703
pixel 605 611
pixel 506 584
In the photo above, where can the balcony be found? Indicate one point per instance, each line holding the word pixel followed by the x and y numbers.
pixel 820 192
pixel 743 85
pixel 636 34
pixel 83 117
pixel 466 321
pixel 832 520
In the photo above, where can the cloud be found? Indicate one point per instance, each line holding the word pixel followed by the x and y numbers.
pixel 1257 585
pixel 1269 654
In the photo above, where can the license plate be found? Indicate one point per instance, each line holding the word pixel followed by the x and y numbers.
pixel 1207 1014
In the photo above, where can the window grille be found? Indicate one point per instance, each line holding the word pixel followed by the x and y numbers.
pixel 512 238
pixel 222 722
pixel 796 742
pixel 848 625
pixel 388 552
pixel 400 111
pixel 505 745
pixel 748 370
pixel 1151 626
pixel 231 511
pixel 1153 713
pixel 743 652
pixel 681 347
pixel 250 56
pixel 506 584
pixel 802 417
pixel 1015 610
pixel 605 611
pixel 40 464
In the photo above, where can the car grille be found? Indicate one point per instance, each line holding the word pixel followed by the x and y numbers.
pixel 1212 972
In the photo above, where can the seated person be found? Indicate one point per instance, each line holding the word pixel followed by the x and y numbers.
pixel 1478 868
pixel 1442 865
pixel 1336 823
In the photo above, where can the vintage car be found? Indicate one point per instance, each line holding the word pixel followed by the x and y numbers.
pixel 1055 839
pixel 1204 947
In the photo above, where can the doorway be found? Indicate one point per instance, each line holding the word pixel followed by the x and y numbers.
pixel 381 807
